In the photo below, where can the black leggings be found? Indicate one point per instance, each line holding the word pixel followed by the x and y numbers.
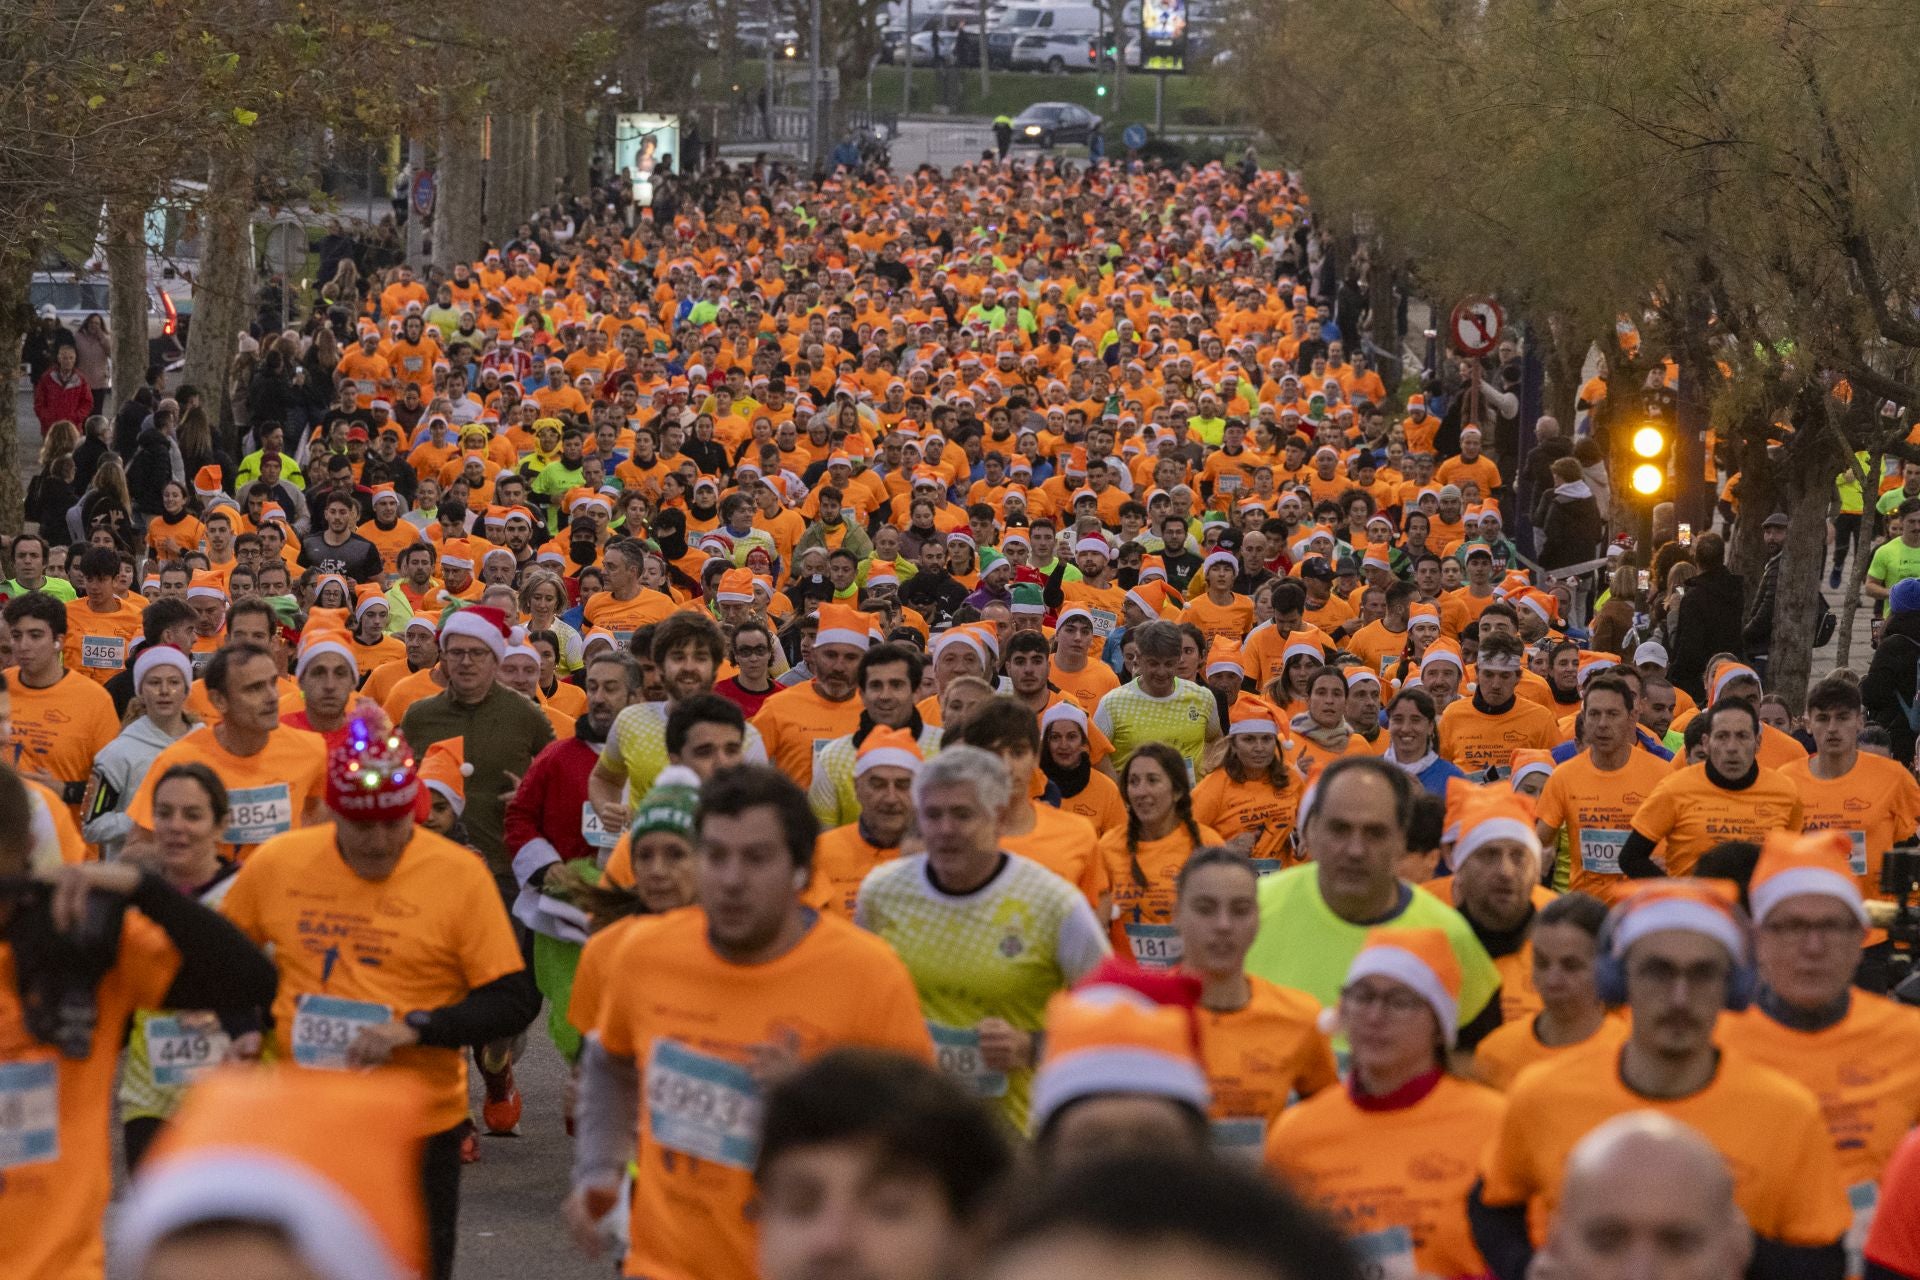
pixel 1846 534
pixel 440 1179
pixel 136 1135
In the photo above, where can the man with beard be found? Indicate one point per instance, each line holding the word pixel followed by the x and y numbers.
pixel 798 721
pixel 551 822
pixel 328 676
pixel 887 679
pixel 1496 885
pixel 1677 954
pixel 687 649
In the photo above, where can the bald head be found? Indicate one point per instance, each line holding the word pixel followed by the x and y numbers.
pixel 1649 1198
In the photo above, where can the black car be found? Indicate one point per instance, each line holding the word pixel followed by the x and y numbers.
pixel 1048 124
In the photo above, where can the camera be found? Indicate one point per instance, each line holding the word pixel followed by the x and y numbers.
pixel 58 973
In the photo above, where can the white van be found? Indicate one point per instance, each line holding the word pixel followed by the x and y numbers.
pixel 1059 37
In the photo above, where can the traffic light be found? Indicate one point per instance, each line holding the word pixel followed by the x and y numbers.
pixel 1100 91
pixel 1652 447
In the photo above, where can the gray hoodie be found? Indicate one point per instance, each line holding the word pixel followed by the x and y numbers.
pixel 117 773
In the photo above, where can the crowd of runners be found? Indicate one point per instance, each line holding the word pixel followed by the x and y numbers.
pixel 996 732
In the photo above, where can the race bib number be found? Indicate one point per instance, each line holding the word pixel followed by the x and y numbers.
pixel 702 1106
pixel 29 1113
pixel 102 653
pixel 1154 946
pixel 593 832
pixel 1857 863
pixel 1600 850
pixel 1104 621
pixel 620 638
pixel 1264 866
pixel 1241 1138
pixel 364 386
pixel 958 1051
pixel 182 1047
pixel 258 813
pixel 1862 1198
pixel 1385 1255
pixel 1230 483
pixel 323 1027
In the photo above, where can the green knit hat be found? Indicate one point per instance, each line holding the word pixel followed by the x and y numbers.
pixel 669 805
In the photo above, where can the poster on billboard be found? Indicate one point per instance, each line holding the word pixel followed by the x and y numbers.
pixel 641 143
pixel 1163 35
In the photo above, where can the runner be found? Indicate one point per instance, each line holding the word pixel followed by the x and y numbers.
pixel 1591 798
pixel 747 983
pixel 1676 955
pixel 988 936
pixel 883 775
pixel 61 719
pixel 887 680
pixel 1263 1046
pixel 393 950
pixel 1379 1155
pixel 1565 955
pixel 1728 796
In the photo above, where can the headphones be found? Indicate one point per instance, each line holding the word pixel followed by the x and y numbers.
pixel 1610 971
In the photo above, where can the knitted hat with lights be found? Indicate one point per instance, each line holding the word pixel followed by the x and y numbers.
pixel 371 774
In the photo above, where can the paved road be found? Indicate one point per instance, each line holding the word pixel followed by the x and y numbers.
pixel 510 1226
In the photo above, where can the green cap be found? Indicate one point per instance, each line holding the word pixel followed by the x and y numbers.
pixel 669 805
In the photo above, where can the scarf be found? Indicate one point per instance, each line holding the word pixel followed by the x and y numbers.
pixel 1072 779
pixel 1333 738
pixel 1415 767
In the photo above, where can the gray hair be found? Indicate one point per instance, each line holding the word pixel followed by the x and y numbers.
pixel 964 766
pixel 1158 639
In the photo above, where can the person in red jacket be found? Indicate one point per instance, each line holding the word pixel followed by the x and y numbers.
pixel 550 823
pixel 62 395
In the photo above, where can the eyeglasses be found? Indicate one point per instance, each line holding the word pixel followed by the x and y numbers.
pixel 1393 1000
pixel 1822 931
pixel 751 651
pixel 466 654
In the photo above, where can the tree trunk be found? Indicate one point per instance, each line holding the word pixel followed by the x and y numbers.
pixel 1383 329
pixel 16 275
pixel 1857 569
pixel 223 289
pixel 578 126
pixel 1564 354
pixel 1790 653
pixel 456 213
pixel 417 164
pixel 127 277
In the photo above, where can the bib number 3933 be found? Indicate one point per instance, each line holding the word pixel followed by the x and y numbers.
pixel 29 1113
pixel 323 1027
pixel 702 1106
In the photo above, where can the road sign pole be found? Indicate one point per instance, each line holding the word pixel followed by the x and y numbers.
pixel 1160 102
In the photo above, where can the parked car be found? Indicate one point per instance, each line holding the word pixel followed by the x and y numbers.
pixel 75 295
pixel 1049 124
pixel 1056 51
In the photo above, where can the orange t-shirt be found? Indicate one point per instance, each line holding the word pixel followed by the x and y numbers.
pixel 1232 808
pixel 1473 740
pixel 1768 1127
pixel 1232 620
pixel 1261 1057
pixel 1512 1047
pixel 268 794
pixel 842 858
pixel 1395 1181
pixel 691 1029
pixel 1065 844
pixel 1692 815
pixel 1142 883
pixel 1877 803
pixel 1087 685
pixel 1098 802
pixel 96 643
pixel 797 722
pixel 1595 807
pixel 61 728
pixel 350 949
pixel 624 617
pixel 58 1181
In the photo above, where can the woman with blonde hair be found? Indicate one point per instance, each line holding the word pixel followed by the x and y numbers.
pixel 543 596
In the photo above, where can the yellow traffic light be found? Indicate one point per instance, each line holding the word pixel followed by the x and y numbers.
pixel 1649 441
pixel 1647 479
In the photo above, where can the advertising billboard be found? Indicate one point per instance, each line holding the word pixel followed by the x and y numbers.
pixel 1163 35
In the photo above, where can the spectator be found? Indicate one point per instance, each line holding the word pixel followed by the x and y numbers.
pixel 1708 620
pixel 1888 690
pixel 61 393
pixel 1569 516
pixel 94 346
